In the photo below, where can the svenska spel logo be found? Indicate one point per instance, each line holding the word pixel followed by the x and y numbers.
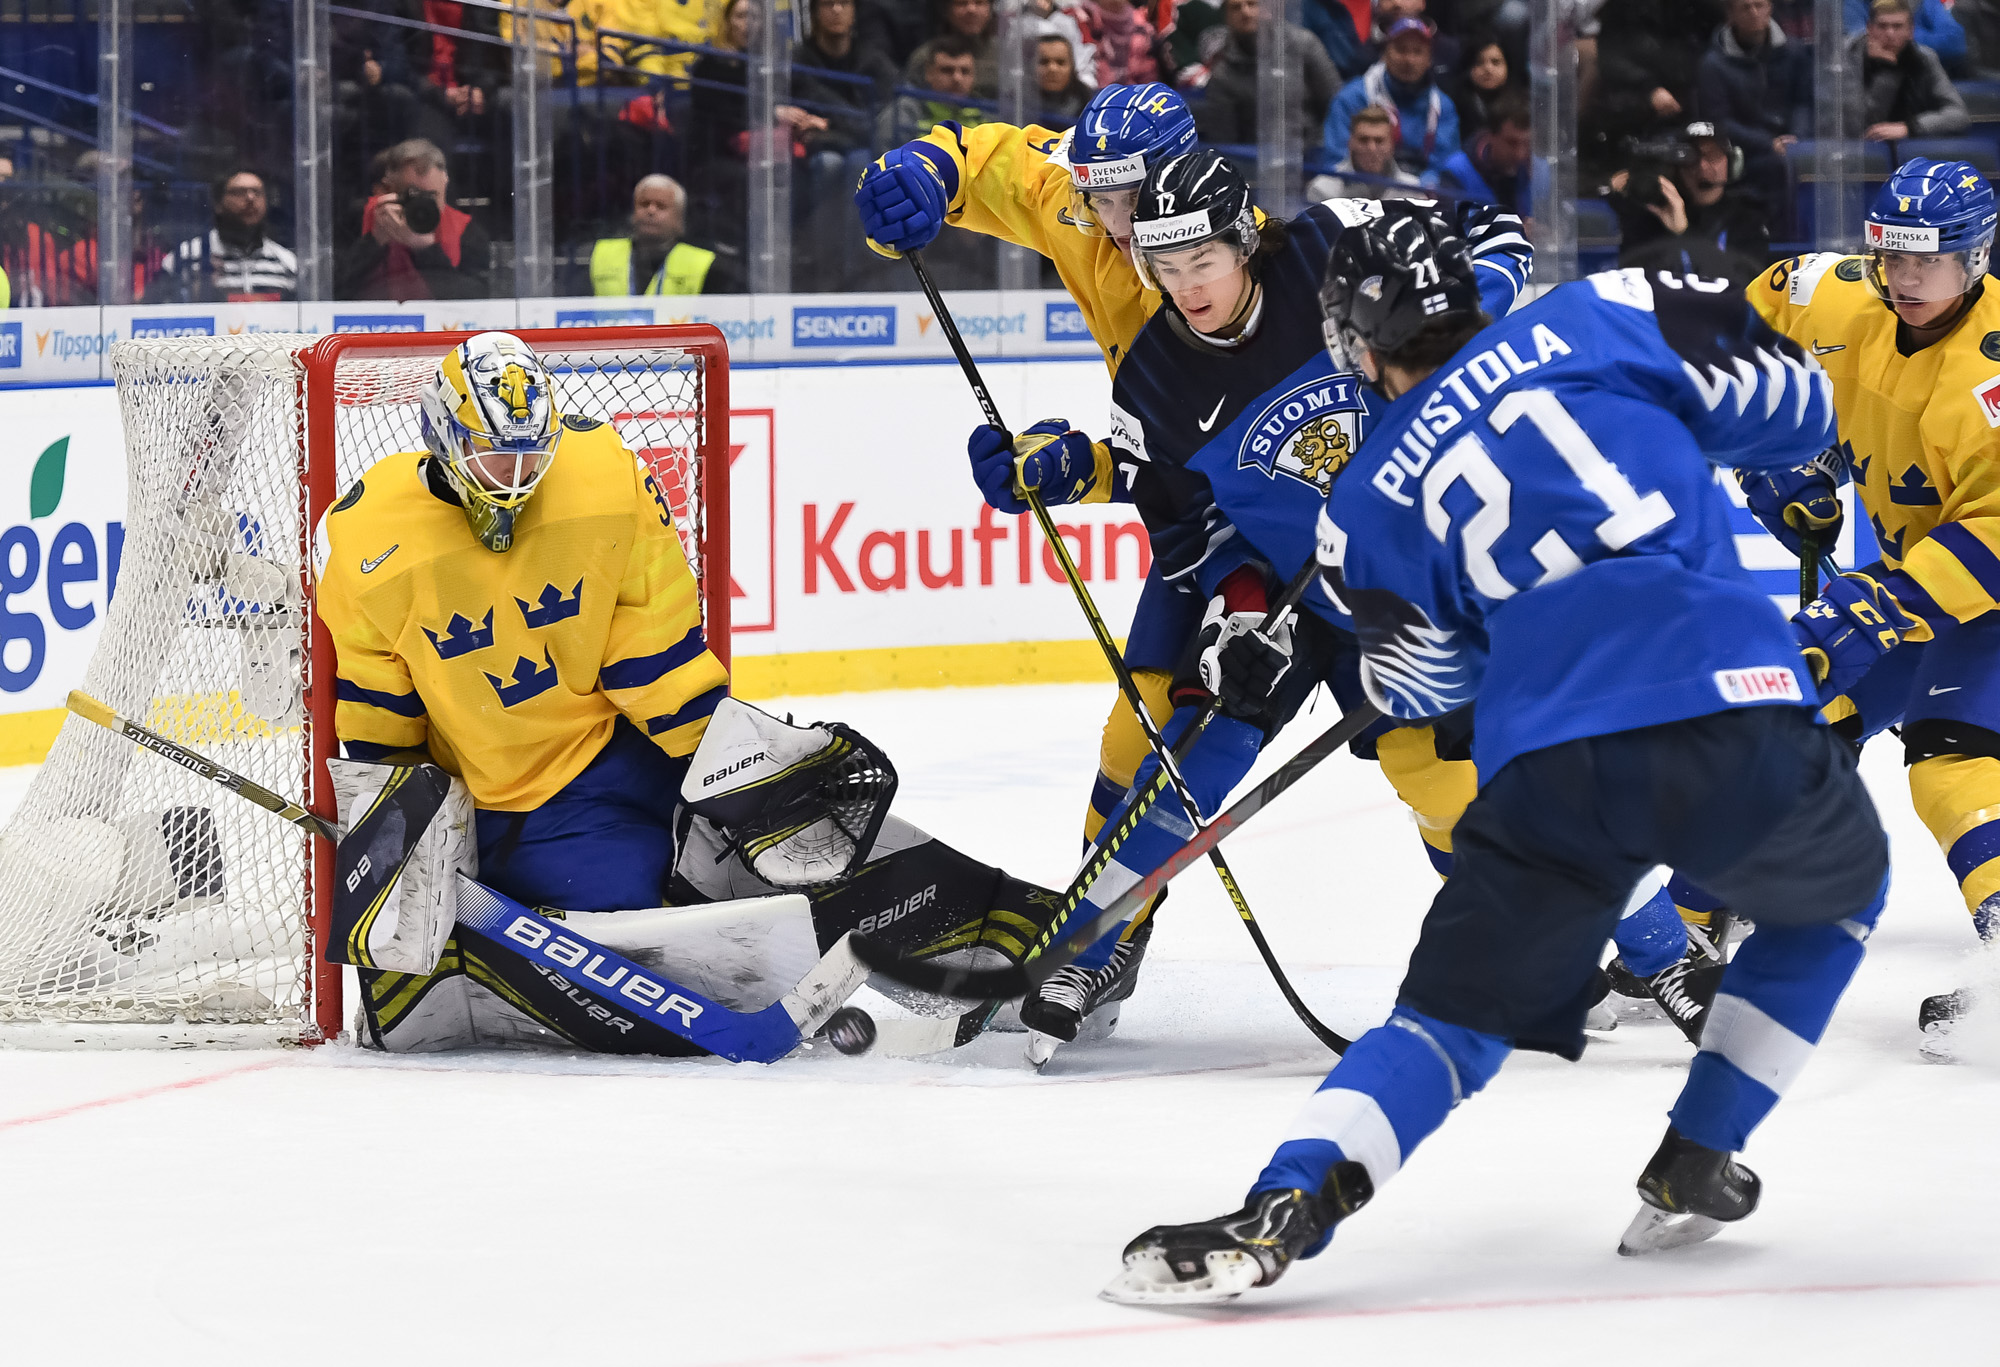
pixel 865 326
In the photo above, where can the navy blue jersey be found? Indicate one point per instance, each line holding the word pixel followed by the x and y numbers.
pixel 1537 524
pixel 1230 450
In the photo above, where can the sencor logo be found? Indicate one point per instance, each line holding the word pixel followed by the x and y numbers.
pixel 10 346
pixel 591 318
pixel 1064 323
pixel 173 327
pixel 844 327
pixel 378 322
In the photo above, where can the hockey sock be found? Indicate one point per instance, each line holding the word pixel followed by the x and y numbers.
pixel 1774 1003
pixel 1651 936
pixel 1217 764
pixel 1390 1090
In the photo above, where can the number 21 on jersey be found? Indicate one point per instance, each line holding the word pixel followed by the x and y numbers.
pixel 1629 515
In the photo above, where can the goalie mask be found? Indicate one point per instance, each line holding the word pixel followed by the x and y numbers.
pixel 801 806
pixel 489 419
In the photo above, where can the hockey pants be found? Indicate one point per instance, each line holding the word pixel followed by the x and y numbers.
pixel 1757 803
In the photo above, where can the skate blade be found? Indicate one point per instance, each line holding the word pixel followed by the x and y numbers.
pixel 1041 1048
pixel 1147 1280
pixel 1655 1231
pixel 1602 1016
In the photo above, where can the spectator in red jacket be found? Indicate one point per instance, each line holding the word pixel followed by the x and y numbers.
pixel 414 244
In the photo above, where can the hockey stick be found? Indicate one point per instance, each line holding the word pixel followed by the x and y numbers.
pixel 1809 555
pixel 1019 979
pixel 624 988
pixel 1169 766
pixel 90 709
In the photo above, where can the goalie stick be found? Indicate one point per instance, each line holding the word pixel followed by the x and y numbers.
pixel 90 709
pixel 1168 758
pixel 974 984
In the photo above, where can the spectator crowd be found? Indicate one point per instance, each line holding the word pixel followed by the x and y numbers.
pixel 1693 113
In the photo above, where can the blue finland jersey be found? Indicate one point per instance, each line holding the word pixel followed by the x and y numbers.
pixel 1538 524
pixel 1238 446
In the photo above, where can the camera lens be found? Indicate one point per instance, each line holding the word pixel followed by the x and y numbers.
pixel 420 210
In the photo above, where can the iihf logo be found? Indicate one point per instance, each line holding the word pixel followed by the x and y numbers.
pixel 1309 433
pixel 459 638
pixel 554 607
pixel 529 682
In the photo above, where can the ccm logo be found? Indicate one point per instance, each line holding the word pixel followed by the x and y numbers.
pixel 534 933
pixel 726 770
pixel 883 919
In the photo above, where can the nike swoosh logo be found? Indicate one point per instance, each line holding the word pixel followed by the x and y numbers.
pixel 370 566
pixel 1214 413
pixel 1819 350
pixel 1953 689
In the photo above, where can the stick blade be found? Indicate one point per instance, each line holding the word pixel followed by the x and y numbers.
pixel 943 980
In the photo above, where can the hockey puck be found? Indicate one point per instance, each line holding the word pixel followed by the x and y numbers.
pixel 850 1030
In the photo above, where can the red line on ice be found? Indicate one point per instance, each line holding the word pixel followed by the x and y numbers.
pixel 1230 1320
pixel 140 1095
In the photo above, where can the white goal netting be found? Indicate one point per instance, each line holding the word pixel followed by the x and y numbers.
pixel 133 892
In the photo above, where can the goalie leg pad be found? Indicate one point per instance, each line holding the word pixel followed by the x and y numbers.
pixel 407 836
pixel 801 805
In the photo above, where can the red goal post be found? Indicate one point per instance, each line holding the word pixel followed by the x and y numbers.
pixel 665 388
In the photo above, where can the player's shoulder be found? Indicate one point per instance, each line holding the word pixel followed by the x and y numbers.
pixel 1827 282
pixel 381 491
pixel 386 510
pixel 1965 401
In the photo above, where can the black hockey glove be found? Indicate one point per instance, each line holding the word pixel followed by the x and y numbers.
pixel 1235 660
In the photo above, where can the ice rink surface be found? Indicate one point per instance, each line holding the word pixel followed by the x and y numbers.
pixel 333 1207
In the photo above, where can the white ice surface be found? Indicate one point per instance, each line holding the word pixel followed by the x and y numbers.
pixel 333 1207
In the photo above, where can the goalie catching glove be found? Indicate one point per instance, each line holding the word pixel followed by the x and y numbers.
pixel 1802 501
pixel 799 805
pixel 1050 458
pixel 1853 623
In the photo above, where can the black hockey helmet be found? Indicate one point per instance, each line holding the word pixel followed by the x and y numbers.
pixel 1189 201
pixel 1389 278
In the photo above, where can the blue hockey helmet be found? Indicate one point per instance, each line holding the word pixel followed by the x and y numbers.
pixel 1929 233
pixel 1120 133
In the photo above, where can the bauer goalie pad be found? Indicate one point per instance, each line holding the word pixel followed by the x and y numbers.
pixel 406 836
pixel 801 806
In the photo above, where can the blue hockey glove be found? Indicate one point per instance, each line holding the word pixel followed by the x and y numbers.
pixel 902 200
pixel 1062 464
pixel 1853 623
pixel 1803 499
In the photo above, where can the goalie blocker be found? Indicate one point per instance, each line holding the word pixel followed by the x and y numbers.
pixel 785 844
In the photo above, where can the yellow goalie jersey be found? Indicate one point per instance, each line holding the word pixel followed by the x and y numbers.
pixel 513 668
pixel 1001 183
pixel 1921 432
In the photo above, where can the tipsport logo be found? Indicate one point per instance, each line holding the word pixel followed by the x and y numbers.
pixel 58 344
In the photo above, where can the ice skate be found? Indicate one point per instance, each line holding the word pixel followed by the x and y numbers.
pixel 1690 1192
pixel 1083 1002
pixel 1218 1260
pixel 1684 990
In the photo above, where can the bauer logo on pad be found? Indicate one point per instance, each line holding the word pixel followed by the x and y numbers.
pixel 1775 683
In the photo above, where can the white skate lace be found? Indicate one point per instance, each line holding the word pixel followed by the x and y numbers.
pixel 1672 993
pixel 1073 987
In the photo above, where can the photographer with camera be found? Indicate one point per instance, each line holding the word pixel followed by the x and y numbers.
pixel 1681 207
pixel 413 243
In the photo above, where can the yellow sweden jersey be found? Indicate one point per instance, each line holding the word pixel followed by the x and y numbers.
pixel 1006 187
pixel 514 667
pixel 1921 432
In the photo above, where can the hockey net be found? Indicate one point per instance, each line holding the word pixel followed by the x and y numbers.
pixel 141 904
